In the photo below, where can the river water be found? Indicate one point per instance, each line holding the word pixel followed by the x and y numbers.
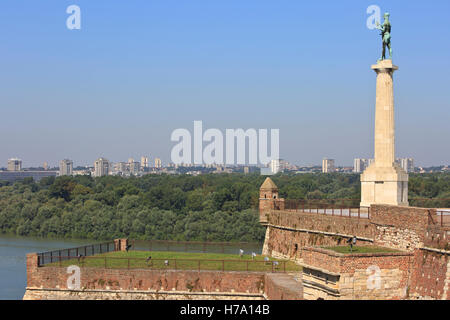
pixel 13 250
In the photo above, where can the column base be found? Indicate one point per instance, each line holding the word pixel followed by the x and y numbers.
pixel 384 185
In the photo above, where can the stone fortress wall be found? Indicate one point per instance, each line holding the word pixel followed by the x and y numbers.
pixel 421 271
pixel 51 282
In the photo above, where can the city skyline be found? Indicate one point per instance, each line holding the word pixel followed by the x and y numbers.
pixel 232 65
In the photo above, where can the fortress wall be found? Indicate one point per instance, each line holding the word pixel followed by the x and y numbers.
pixel 283 287
pixel 399 227
pixel 144 279
pixel 289 232
pixel 321 222
pixel 430 277
pixel 100 283
pixel 61 294
pixel 330 275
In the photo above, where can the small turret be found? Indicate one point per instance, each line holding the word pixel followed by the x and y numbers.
pixel 268 200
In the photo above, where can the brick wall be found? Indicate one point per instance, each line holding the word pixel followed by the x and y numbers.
pixel 289 232
pixel 142 279
pixel 430 277
pixel 399 227
pixel 51 282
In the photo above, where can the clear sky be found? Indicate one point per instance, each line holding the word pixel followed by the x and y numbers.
pixel 139 69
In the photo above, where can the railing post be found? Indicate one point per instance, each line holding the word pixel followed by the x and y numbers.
pixel 198 265
pixel 359 212
pixel 175 264
pixel 105 262
pixel 223 265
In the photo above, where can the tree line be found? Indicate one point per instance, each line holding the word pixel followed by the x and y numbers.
pixel 210 207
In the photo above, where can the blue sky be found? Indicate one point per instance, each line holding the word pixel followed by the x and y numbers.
pixel 137 70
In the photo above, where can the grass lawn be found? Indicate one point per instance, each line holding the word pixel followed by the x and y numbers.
pixel 361 249
pixel 180 261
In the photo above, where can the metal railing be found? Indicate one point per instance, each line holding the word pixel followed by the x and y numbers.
pixel 429 202
pixel 83 251
pixel 337 207
pixel 175 264
pixel 442 218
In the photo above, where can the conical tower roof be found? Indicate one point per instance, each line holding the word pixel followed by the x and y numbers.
pixel 269 184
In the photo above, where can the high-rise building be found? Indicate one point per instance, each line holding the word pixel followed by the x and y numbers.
pixel 406 164
pixel 45 166
pixel 359 165
pixel 14 164
pixel 328 165
pixel 66 167
pixel 134 167
pixel 122 167
pixel 158 163
pixel 101 167
pixel 275 166
pixel 144 162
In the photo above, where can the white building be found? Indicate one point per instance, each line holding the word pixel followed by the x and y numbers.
pixel 144 162
pixel 14 164
pixel 359 165
pixel 134 167
pixel 407 164
pixel 328 165
pixel 66 167
pixel 158 163
pixel 101 167
pixel 275 166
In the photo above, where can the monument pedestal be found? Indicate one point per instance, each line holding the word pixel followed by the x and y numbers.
pixel 384 182
pixel 384 185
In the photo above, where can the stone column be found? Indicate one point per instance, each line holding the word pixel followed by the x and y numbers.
pixel 384 114
pixel 384 182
